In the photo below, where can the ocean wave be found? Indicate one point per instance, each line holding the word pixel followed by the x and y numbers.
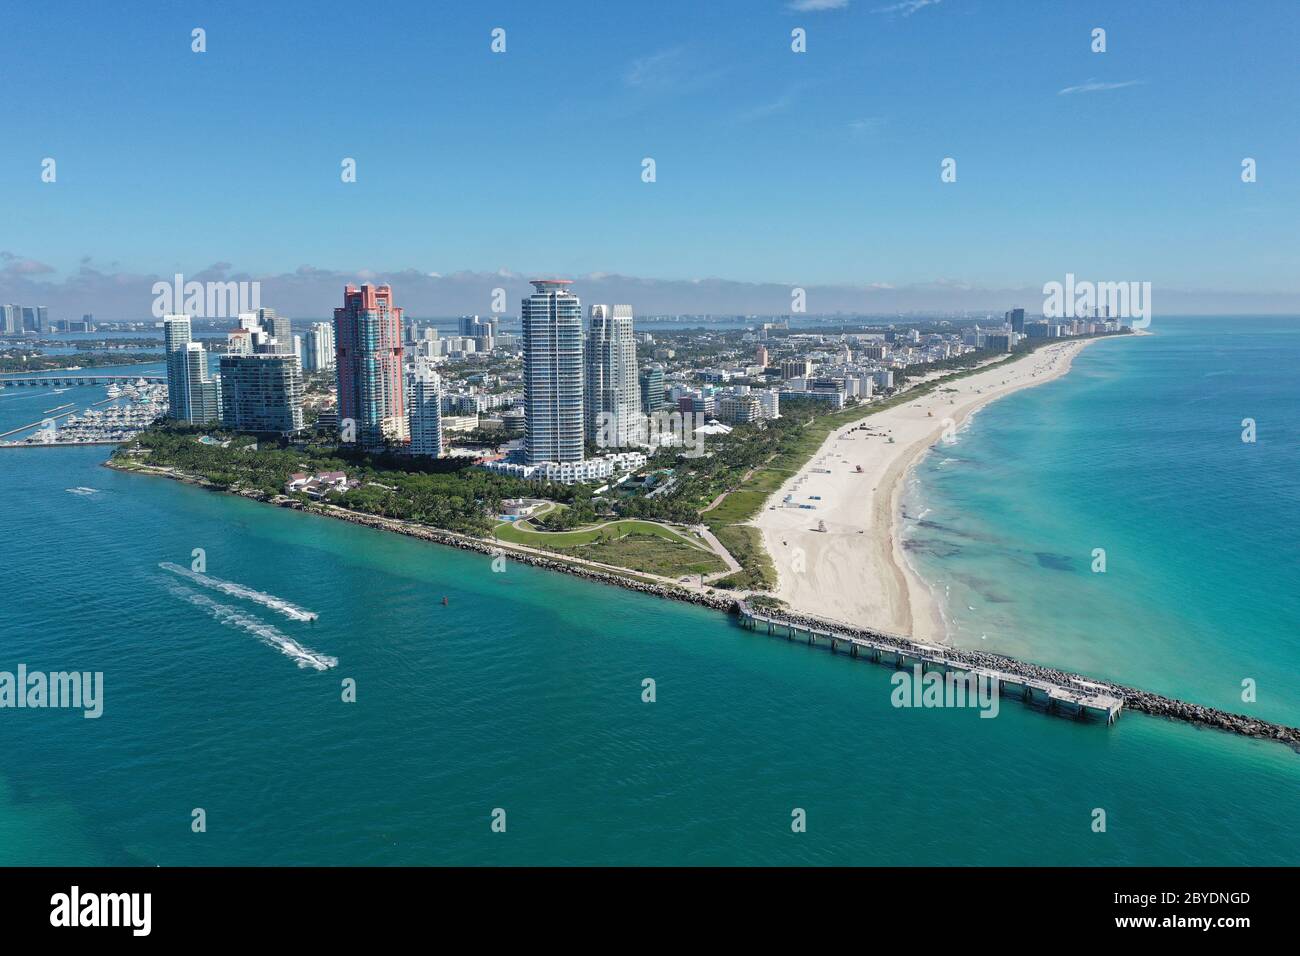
pixel 80 490
pixel 284 607
pixel 269 634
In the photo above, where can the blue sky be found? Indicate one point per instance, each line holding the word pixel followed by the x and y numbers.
pixel 820 169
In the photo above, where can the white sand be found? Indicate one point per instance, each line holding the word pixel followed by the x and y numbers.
pixel 855 571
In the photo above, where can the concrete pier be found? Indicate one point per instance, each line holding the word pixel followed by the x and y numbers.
pixel 1045 688
pixel 1077 700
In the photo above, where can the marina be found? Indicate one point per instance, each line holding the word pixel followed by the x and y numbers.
pixel 129 408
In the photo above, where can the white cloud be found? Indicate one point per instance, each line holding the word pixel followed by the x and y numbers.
pixel 778 105
pixel 656 70
pixel 907 7
pixel 811 6
pixel 1092 86
pixel 866 125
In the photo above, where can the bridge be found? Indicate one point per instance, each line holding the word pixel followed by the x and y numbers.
pixel 67 381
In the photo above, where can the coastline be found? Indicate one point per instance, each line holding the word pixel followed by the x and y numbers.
pixel 1146 702
pixel 640 582
pixel 856 571
pixel 908 595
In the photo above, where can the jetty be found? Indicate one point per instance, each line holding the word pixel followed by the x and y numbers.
pixel 36 424
pixel 1082 701
pixel 1056 691
pixel 1047 689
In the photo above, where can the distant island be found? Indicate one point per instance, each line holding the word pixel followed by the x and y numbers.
pixel 24 360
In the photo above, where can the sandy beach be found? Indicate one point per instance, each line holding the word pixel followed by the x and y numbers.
pixel 855 572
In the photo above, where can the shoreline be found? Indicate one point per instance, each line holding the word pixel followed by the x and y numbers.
pixel 639 582
pixel 856 572
pixel 1134 698
pixel 1154 705
pixel 920 592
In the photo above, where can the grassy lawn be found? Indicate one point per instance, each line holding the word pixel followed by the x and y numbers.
pixel 516 534
pixel 637 545
pixel 652 554
pixel 745 542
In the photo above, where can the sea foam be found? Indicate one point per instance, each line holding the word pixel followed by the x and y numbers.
pixel 284 607
pixel 269 634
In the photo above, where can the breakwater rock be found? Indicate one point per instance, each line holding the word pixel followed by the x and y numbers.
pixel 1144 701
pixel 718 602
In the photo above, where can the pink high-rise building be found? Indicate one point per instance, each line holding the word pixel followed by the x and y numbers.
pixel 368 347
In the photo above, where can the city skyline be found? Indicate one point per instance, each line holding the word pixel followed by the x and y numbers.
pixel 496 434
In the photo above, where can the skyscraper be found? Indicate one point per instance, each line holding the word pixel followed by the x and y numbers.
pixel 612 400
pixel 202 391
pixel 1016 318
pixel 426 410
pixel 261 393
pixel 176 336
pixel 318 354
pixel 280 330
pixel 368 343
pixel 652 388
pixel 13 319
pixel 552 338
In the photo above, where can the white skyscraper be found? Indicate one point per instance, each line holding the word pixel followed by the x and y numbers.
pixel 202 390
pixel 176 337
pixel 552 340
pixel 318 351
pixel 612 393
pixel 425 410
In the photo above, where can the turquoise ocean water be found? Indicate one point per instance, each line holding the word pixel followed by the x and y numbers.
pixel 524 691
pixel 1138 452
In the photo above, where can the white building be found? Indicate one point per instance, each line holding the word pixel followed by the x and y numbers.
pixel 425 411
pixel 553 379
pixel 612 395
pixel 318 351
pixel 571 472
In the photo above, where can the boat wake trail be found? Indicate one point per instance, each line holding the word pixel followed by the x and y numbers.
pixel 269 634
pixel 291 611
